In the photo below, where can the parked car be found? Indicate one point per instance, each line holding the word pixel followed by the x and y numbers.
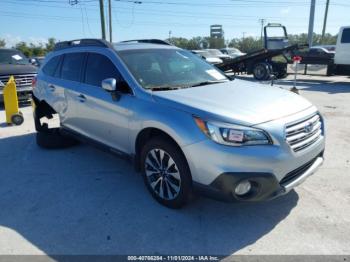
pixel 37 61
pixel 325 48
pixel 186 126
pixel 207 56
pixel 14 63
pixel 217 53
pixel 232 52
pixel 316 54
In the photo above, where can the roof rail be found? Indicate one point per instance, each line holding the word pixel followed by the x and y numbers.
pixel 148 41
pixel 82 42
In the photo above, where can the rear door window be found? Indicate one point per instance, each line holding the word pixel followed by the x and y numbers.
pixel 345 38
pixel 98 68
pixel 51 66
pixel 72 65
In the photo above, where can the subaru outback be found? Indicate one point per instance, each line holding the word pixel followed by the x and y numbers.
pixel 185 125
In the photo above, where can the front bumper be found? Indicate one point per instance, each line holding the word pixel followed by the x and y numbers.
pixel 265 186
pixel 275 169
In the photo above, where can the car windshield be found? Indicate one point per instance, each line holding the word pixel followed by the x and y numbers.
pixel 204 53
pixel 214 52
pixel 12 57
pixel 169 68
pixel 233 51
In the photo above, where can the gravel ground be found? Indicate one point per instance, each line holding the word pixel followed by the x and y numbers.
pixel 84 201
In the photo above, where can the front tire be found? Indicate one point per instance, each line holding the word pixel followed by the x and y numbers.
pixel 166 173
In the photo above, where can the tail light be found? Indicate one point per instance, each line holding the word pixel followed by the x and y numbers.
pixel 34 80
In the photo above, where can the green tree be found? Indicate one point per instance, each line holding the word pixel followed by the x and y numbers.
pixel 50 45
pixel 24 48
pixel 216 43
pixel 247 44
pixel 2 43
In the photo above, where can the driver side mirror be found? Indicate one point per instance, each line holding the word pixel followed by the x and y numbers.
pixel 110 85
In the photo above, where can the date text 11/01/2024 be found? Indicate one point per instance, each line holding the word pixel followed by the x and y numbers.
pixel 173 258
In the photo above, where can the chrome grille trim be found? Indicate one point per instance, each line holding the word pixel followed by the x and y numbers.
pixel 303 134
pixel 22 80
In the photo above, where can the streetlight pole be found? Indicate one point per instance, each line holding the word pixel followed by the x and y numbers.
pixel 102 15
pixel 110 20
pixel 325 20
pixel 311 22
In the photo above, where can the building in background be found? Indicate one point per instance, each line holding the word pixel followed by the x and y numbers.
pixel 216 40
pixel 216 31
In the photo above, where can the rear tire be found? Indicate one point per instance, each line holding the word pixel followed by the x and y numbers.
pixel 166 172
pixel 261 71
pixel 51 138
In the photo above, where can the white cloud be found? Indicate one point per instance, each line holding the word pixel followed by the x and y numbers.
pixel 37 40
pixel 12 40
pixel 285 11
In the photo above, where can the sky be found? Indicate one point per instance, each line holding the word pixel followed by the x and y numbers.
pixel 36 20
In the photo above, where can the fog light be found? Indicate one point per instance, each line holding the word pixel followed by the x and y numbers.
pixel 243 188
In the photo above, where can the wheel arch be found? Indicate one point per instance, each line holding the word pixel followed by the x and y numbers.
pixel 148 133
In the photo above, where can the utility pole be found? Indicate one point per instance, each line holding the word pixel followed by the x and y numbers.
pixel 102 14
pixel 325 21
pixel 311 22
pixel 262 22
pixel 243 33
pixel 110 20
pixel 169 36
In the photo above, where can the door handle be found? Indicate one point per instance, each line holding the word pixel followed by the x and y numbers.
pixel 81 98
pixel 52 88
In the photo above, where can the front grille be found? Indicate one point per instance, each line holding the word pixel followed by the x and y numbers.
pixel 304 133
pixel 24 80
pixel 297 172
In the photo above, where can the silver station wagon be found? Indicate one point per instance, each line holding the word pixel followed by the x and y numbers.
pixel 185 125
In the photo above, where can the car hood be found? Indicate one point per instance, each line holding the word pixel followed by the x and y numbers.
pixel 11 69
pixel 238 101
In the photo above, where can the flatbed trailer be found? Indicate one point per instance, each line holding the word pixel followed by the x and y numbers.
pixel 260 63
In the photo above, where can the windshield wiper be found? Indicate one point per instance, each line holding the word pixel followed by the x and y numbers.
pixel 204 83
pixel 162 88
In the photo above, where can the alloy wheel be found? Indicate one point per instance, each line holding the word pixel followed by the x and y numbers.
pixel 162 174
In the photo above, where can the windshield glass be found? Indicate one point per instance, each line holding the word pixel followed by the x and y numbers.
pixel 214 52
pixel 233 51
pixel 204 53
pixel 12 57
pixel 169 68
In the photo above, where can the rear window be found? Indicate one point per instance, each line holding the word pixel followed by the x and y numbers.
pixel 98 68
pixel 345 38
pixel 71 66
pixel 51 66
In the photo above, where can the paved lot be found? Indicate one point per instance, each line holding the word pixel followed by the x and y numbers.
pixel 84 201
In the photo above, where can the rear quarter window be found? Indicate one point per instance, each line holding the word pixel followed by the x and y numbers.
pixel 72 66
pixel 51 66
pixel 345 38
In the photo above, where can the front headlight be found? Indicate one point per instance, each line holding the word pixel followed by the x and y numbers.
pixel 233 135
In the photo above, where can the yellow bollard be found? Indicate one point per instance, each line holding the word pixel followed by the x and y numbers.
pixel 13 115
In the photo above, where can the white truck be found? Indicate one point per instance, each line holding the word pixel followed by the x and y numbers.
pixel 338 63
pixel 341 63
